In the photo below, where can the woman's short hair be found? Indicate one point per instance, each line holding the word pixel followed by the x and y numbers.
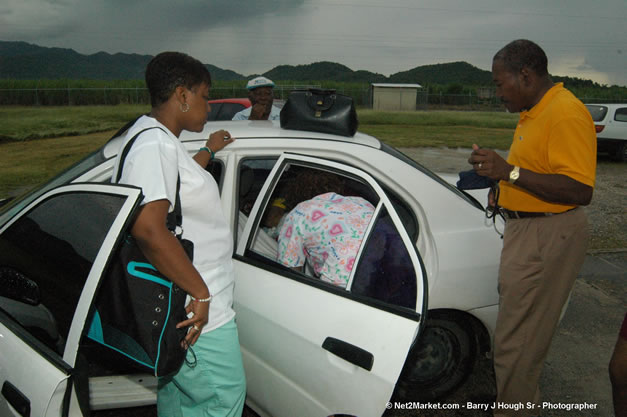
pixel 169 70
pixel 523 53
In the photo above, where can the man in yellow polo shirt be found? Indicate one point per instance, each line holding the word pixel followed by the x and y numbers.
pixel 548 175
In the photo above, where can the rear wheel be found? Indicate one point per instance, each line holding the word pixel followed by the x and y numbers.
pixel 621 152
pixel 441 360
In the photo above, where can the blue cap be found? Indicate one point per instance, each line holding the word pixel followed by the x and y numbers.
pixel 259 82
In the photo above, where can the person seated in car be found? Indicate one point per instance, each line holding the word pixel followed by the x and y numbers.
pixel 272 218
pixel 261 96
pixel 325 232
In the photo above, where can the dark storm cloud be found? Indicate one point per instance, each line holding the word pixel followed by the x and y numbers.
pixel 88 21
pixel 198 14
pixel 253 36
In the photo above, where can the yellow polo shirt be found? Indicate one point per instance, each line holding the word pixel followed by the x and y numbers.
pixel 556 136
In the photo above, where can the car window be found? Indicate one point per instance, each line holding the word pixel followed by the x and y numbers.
pixel 213 113
pixel 216 169
pixel 251 175
pixel 597 112
pixel 45 258
pixel 408 218
pixel 384 271
pixel 224 111
pixel 621 114
pixel 315 222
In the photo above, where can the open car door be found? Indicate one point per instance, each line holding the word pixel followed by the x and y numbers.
pixel 52 255
pixel 311 348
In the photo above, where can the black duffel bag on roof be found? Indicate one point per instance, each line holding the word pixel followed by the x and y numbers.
pixel 322 111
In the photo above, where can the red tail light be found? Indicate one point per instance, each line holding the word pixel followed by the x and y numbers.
pixel 599 128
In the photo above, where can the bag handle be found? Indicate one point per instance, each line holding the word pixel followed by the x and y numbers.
pixel 322 91
pixel 175 218
pixel 320 100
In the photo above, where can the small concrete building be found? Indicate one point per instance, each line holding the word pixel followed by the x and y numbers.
pixel 394 97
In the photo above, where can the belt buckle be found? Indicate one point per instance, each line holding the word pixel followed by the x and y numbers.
pixel 514 215
pixel 507 214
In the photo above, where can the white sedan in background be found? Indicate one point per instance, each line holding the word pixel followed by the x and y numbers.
pixel 419 307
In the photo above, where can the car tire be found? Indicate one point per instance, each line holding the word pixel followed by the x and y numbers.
pixel 621 152
pixel 441 360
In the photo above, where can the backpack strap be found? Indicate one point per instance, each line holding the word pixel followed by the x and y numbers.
pixel 175 218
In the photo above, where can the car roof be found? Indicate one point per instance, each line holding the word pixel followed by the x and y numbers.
pixel 242 101
pixel 608 105
pixel 257 129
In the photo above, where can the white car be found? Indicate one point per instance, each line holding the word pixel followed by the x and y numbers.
pixel 419 307
pixel 610 121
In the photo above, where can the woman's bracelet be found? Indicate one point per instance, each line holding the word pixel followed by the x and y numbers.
pixel 202 300
pixel 205 148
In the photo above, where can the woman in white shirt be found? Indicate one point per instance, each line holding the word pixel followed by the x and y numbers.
pixel 179 90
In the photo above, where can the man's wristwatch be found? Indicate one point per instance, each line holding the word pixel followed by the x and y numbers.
pixel 514 174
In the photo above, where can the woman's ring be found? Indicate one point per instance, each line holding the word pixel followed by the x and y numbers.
pixel 480 165
pixel 196 327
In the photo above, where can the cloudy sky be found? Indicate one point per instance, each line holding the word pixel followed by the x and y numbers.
pixel 582 38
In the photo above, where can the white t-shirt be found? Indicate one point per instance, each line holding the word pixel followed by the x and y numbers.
pixel 154 163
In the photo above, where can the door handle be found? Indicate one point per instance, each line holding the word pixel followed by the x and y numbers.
pixel 351 353
pixel 17 400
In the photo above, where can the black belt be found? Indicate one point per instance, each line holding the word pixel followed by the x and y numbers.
pixel 511 214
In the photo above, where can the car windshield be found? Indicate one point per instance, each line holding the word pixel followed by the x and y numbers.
pixel 64 177
pixel 597 112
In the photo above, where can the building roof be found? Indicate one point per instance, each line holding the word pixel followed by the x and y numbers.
pixel 396 85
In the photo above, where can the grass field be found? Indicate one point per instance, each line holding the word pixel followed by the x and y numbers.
pixel 36 142
pixel 20 123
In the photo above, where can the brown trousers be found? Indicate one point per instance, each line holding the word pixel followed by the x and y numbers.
pixel 540 260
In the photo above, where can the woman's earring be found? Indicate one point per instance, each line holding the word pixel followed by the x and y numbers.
pixel 184 109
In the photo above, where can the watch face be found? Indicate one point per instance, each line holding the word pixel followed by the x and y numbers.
pixel 513 175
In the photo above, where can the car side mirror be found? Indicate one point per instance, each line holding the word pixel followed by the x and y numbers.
pixel 16 286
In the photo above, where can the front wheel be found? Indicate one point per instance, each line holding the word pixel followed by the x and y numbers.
pixel 441 360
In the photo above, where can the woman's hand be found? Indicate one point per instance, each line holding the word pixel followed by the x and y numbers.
pixel 218 140
pixel 200 317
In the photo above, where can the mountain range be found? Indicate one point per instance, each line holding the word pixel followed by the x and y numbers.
pixel 22 60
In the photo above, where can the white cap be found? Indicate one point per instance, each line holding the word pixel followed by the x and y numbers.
pixel 259 82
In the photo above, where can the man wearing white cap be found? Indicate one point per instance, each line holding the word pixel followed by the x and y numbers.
pixel 261 95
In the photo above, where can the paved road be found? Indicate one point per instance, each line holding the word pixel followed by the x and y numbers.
pixel 576 368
